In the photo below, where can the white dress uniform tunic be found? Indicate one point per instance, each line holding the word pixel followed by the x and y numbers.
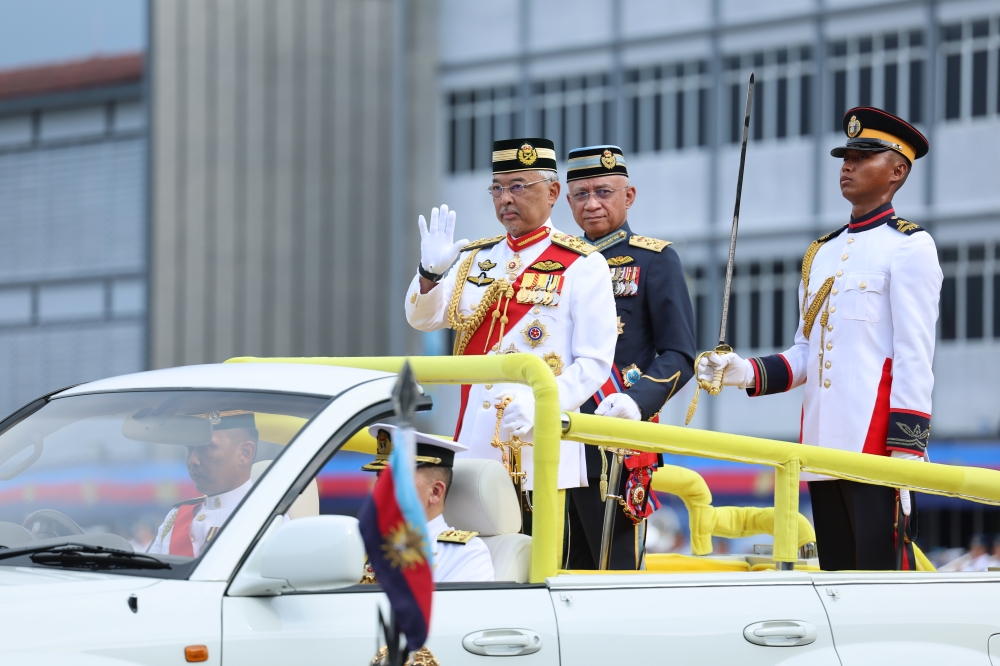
pixel 576 336
pixel 459 560
pixel 209 517
pixel 865 341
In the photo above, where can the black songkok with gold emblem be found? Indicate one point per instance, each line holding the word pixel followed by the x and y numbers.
pixel 875 130
pixel 595 161
pixel 512 155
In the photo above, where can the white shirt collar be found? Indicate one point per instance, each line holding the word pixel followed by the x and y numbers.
pixel 228 500
pixel 436 526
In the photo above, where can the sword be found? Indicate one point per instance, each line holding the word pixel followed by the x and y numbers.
pixel 715 387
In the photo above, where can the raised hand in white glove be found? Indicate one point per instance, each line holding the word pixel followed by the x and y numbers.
pixel 737 371
pixel 619 405
pixel 438 249
pixel 519 416
pixel 904 494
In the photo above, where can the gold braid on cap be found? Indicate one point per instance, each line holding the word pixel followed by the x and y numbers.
pixel 465 327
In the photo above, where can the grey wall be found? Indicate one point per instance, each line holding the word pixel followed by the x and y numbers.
pixel 272 147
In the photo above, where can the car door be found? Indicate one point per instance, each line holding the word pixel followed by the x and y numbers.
pixel 469 623
pixel 752 619
pixel 912 618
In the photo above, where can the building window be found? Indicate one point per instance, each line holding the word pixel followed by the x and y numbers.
pixel 970 66
pixel 877 70
pixel 574 111
pixel 782 93
pixel 666 107
pixel 476 118
pixel 763 306
pixel 970 293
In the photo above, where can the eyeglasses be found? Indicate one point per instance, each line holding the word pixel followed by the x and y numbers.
pixel 516 190
pixel 602 193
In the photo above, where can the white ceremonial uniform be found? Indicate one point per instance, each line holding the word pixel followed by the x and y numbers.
pixel 866 364
pixel 578 341
pixel 208 519
pixel 458 562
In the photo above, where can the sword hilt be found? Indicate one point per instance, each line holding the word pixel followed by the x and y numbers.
pixel 716 388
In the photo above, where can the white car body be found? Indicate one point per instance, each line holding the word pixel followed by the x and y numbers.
pixel 66 617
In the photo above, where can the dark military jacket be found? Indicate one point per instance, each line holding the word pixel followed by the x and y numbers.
pixel 655 318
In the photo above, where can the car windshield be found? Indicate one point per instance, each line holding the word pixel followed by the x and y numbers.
pixel 156 472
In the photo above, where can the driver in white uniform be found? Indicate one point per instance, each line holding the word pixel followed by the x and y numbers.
pixel 220 470
pixel 459 556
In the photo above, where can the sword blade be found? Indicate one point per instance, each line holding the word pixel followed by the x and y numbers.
pixel 736 216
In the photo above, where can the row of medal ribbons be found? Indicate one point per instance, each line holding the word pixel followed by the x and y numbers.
pixel 625 280
pixel 540 289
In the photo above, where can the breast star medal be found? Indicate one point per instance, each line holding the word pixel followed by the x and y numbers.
pixel 534 333
pixel 621 326
pixel 513 267
pixel 631 375
pixel 555 362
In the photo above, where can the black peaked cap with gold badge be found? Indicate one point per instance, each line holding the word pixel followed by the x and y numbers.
pixel 595 161
pixel 431 450
pixel 876 130
pixel 512 155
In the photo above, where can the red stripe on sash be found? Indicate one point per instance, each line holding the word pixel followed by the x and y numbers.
pixel 479 343
pixel 180 533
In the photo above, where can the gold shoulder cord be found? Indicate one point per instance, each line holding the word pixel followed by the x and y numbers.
pixel 465 327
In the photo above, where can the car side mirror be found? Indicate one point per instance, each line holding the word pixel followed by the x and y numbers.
pixel 315 553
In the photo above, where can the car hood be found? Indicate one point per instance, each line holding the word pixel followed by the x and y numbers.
pixel 21 586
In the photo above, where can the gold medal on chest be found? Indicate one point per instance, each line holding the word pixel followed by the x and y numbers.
pixel 513 267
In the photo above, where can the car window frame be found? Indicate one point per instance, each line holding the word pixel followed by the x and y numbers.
pixel 177 570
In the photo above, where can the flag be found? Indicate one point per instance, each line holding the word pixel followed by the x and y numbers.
pixel 394 529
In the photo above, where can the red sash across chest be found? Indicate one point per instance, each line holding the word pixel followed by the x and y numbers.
pixel 180 533
pixel 482 337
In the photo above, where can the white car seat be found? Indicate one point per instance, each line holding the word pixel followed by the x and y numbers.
pixel 483 499
pixel 308 502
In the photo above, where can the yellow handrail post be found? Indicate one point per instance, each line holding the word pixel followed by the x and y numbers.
pixel 547 500
pixel 786 511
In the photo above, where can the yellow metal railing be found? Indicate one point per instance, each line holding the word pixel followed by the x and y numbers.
pixel 729 522
pixel 788 460
pixel 548 502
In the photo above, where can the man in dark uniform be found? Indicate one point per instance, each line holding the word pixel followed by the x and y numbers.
pixel 655 353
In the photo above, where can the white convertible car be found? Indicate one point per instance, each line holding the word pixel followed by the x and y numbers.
pixel 82 469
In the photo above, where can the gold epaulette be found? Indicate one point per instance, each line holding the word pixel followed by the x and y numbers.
pixel 484 242
pixel 573 243
pixel 647 243
pixel 456 536
pixel 907 227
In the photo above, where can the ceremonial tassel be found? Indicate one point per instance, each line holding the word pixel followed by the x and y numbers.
pixel 698 385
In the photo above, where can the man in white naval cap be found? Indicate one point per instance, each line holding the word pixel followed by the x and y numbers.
pixel 530 290
pixel 221 471
pixel 459 556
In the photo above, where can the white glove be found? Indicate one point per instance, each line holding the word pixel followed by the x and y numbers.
pixel 737 371
pixel 519 416
pixel 619 405
pixel 904 494
pixel 438 250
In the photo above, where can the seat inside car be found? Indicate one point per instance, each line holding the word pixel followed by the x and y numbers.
pixel 308 502
pixel 483 499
